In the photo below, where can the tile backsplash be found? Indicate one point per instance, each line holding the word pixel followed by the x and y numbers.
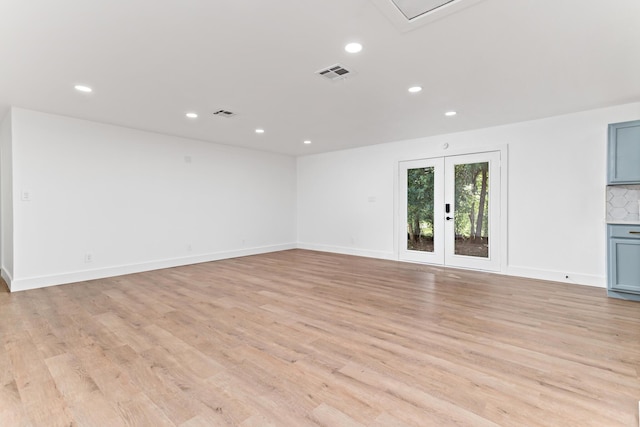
pixel 623 203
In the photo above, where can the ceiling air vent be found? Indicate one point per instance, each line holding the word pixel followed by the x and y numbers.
pixel 334 72
pixel 224 113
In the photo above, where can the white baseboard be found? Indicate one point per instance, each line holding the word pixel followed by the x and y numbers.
pixel 558 276
pixel 347 251
pixel 26 283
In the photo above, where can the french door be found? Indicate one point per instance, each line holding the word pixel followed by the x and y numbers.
pixel 450 211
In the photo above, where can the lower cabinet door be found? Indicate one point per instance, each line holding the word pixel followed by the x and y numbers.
pixel 624 265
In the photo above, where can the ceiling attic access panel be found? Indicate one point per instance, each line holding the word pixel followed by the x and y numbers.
pixel 411 9
pixel 409 15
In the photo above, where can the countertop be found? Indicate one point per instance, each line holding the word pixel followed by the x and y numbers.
pixel 618 222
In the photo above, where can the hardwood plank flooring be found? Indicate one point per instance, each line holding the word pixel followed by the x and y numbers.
pixel 302 338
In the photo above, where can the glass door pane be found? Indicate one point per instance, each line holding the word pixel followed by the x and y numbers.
pixel 420 203
pixel 471 218
pixel 449 211
pixel 472 221
pixel 420 224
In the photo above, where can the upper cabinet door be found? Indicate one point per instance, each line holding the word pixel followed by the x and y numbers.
pixel 624 153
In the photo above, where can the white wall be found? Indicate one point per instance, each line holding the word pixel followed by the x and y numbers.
pixel 133 201
pixel 556 193
pixel 6 199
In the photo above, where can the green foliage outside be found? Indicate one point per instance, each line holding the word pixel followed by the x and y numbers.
pixel 472 200
pixel 420 203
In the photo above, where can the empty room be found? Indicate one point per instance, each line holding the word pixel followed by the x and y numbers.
pixel 300 213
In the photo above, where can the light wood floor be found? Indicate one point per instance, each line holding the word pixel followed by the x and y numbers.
pixel 300 338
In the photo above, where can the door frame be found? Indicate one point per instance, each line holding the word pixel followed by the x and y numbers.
pixel 492 263
pixel 398 198
pixel 437 256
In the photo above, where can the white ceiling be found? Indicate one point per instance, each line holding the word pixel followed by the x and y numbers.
pixel 151 61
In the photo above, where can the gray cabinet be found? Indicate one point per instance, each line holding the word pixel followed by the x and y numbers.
pixel 624 153
pixel 623 261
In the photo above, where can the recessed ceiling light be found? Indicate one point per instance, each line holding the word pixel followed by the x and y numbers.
pixel 83 88
pixel 353 47
pixel 307 142
pixel 415 89
pixel 450 113
pixel 192 115
pixel 259 130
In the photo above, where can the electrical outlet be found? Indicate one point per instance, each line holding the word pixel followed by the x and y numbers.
pixel 88 257
pixel 189 248
pixel 25 195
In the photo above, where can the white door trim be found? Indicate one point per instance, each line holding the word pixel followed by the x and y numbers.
pixel 437 256
pixel 492 263
pixel 504 202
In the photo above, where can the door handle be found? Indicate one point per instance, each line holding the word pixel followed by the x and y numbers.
pixel 449 218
